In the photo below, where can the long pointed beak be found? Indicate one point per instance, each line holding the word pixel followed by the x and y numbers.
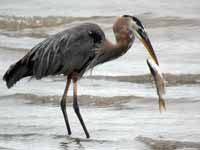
pixel 143 37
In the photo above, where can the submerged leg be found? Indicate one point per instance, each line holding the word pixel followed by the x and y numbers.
pixel 76 107
pixel 63 104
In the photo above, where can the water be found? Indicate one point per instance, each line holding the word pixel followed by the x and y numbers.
pixel 119 95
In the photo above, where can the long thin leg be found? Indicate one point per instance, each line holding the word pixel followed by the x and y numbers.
pixel 63 104
pixel 76 107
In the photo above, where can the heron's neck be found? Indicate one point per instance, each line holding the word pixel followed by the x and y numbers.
pixel 110 51
pixel 123 45
pixel 120 47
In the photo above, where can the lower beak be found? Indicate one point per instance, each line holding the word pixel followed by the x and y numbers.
pixel 145 40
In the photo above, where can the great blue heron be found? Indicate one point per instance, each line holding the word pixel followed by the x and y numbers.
pixel 73 51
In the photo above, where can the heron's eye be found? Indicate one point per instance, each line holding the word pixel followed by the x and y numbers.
pixel 126 16
pixel 138 22
pixel 95 36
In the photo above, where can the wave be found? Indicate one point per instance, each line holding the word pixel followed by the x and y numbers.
pixel 19 135
pixel 85 100
pixel 14 49
pixel 160 144
pixel 16 23
pixel 171 79
pixel 115 102
pixel 170 21
pixel 31 33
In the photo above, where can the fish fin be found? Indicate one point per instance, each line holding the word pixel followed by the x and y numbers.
pixel 162 104
pixel 91 71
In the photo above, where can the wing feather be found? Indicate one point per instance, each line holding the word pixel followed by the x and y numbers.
pixel 67 51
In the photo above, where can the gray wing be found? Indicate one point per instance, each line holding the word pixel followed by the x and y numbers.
pixel 69 51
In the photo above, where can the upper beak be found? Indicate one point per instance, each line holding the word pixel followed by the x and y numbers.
pixel 143 37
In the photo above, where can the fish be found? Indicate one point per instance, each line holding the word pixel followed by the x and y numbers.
pixel 159 82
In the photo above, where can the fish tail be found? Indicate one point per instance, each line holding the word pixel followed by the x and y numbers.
pixel 162 104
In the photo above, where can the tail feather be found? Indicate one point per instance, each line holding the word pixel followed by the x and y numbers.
pixel 16 72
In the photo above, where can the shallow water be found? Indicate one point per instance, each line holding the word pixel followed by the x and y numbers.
pixel 118 102
pixel 29 124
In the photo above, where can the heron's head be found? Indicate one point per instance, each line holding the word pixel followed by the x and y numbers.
pixel 132 26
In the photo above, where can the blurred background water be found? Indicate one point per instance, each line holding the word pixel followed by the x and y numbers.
pixel 119 95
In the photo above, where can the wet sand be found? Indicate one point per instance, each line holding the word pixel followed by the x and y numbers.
pixel 160 144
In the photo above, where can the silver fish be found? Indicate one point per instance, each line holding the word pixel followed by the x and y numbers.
pixel 159 82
